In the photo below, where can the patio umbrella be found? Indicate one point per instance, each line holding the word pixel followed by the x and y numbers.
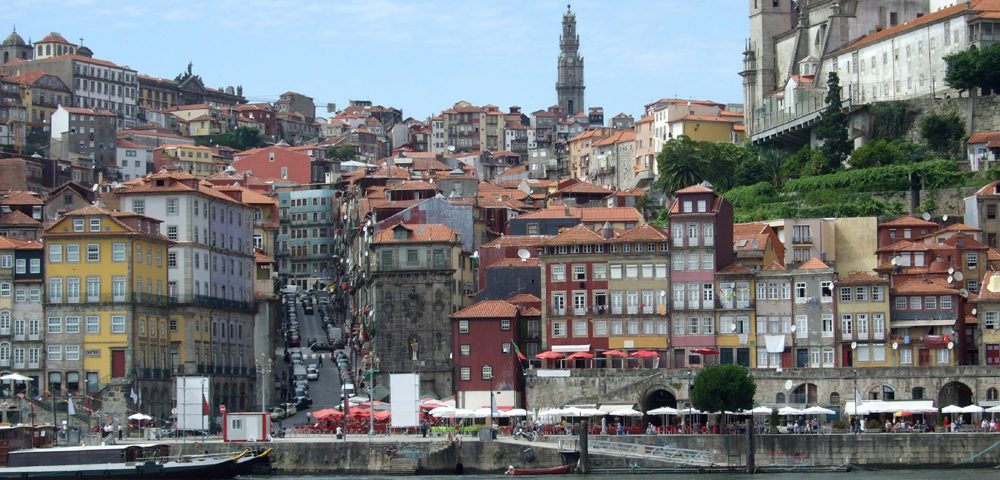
pixel 581 356
pixel 614 353
pixel 549 355
pixel 442 411
pixel 625 412
pixel 689 411
pixel 515 412
pixel 17 377
pixel 432 404
pixel 327 414
pixel 482 412
pixel 818 410
pixel 951 409
pixel 139 416
pixel 995 409
pixel 706 351
pixel 464 413
pixel 789 411
pixel 592 412
pixel 761 410
pixel 662 411
pixel 972 409
pixel 645 354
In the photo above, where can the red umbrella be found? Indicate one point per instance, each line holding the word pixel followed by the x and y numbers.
pixel 706 351
pixel 327 414
pixel 549 355
pixel 581 355
pixel 431 404
pixel 614 353
pixel 645 354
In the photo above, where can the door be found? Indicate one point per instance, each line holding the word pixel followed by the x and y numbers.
pixel 802 358
pixel 117 363
pixel 924 357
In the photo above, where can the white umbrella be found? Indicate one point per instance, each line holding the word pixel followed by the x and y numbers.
pixel 569 412
pixel 818 410
pixel 761 410
pixel 464 413
pixel 139 416
pixel 592 412
pixel 951 409
pixel 625 412
pixel 972 409
pixel 17 377
pixel 442 411
pixel 482 412
pixel 995 409
pixel 662 411
pixel 689 411
pixel 514 412
pixel 789 411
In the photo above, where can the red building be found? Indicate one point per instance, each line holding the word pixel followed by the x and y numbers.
pixel 485 358
pixel 277 162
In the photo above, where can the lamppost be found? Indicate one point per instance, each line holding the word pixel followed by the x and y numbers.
pixel 371 396
pixel 263 364
pixel 856 397
pixel 690 404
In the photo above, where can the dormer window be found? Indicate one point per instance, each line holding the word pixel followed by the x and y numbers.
pixel 400 233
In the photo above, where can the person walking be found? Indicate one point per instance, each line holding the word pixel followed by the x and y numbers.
pixel 120 431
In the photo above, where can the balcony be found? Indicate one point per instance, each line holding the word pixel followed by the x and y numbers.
pixel 213 302
pixel 113 299
pixel 580 311
pixel 847 335
pixel 802 240
pixel 559 311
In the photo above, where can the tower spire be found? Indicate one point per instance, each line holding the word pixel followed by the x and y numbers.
pixel 569 83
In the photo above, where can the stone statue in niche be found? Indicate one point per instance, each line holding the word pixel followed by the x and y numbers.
pixel 413 348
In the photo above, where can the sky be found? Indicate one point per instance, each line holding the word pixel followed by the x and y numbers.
pixel 421 56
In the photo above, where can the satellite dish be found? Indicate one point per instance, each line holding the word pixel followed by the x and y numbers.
pixel 951 279
pixel 451 148
pixel 793 329
pixel 926 216
pixel 854 345
pixel 974 311
pixel 951 345
pixel 959 276
pixel 475 254
pixel 895 345
pixel 732 328
pixel 951 270
pixel 523 254
pixel 964 293
pixel 893 261
pixel 944 218
pixel 789 384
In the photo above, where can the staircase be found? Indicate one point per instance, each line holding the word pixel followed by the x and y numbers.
pixel 664 454
pixel 402 466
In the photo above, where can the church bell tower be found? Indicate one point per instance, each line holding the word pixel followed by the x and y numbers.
pixel 569 86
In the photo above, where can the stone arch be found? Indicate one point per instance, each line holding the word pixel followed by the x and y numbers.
pixel 805 394
pixel 655 397
pixel 779 398
pixel 881 392
pixel 834 398
pixel 955 393
pixel 918 393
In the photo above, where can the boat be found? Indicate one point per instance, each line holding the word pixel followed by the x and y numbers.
pixel 562 469
pixel 124 462
pixel 254 463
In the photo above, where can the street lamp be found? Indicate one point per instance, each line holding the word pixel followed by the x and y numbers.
pixel 263 364
pixel 856 399
pixel 690 404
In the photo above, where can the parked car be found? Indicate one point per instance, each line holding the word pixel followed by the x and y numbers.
pixel 303 402
pixel 312 374
pixel 320 347
pixel 347 389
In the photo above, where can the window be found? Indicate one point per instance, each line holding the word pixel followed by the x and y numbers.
pixel 505 324
pixel 945 303
pixel 600 272
pixel 661 271
pixel 55 290
pixel 827 357
pixel 800 292
pixel 600 328
pixel 692 262
pixel 905 356
pixel 72 324
pixel 487 372
pixel 826 291
pixel 847 324
pixel 55 254
pixel 463 326
pixel 93 289
pixel 647 270
pixel 827 325
pixel 916 303
pixel 930 303
pixel 54 352
pixel 54 325
pixel 972 260
pixel 616 272
pixel 465 350
pixel 93 252
pixel 73 289
pixel 845 294
pixel 631 271
pixel 579 273
pixel 558 273
pixel 171 206
pixel 93 324
pixel 72 252
pixel 992 320
pixel 707 262
pixel 465 373
pixel 78 224
pixel 579 328
pixel 172 259
pixel 693 234
pixel 172 232
pixel 117 324
pixel 900 303
pixel 559 328
pixel 943 356
pixel 139 206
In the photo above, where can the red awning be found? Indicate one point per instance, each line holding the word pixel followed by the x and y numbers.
pixel 706 351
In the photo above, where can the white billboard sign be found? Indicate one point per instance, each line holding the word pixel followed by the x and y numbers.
pixel 404 391
pixel 193 402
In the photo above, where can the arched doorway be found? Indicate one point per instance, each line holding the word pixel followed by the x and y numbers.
pixel 657 397
pixel 804 394
pixel 954 393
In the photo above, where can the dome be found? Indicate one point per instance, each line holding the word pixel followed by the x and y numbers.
pixel 13 40
pixel 85 52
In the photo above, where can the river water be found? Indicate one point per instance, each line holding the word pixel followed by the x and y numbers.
pixel 978 474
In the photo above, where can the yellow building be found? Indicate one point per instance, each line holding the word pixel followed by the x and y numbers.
pixel 197 160
pixel 736 339
pixel 725 127
pixel 863 307
pixel 107 306
pixel 988 316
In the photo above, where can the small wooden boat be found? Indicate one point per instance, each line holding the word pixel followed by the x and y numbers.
pixel 562 469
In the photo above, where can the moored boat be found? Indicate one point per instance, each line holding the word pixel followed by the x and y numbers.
pixel 126 462
pixel 538 471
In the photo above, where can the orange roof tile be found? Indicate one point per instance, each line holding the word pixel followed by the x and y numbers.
pixel 556 211
pixel 774 267
pixel 861 278
pixel 609 214
pixel 993 255
pixel 524 298
pixel 924 286
pixel 735 269
pixel 577 235
pixel 413 185
pixel 908 221
pixel 487 309
pixel 422 233
pixel 643 233
pixel 17 217
pixel 904 27
pixel 984 292
pixel 696 189
pixel 21 198
pixel 585 188
pixel 813 264
pixel 515 263
pixel 516 241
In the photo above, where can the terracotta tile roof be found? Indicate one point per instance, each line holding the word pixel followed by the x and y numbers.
pixel 775 267
pixel 10 243
pixel 968 243
pixel 632 192
pixel 735 269
pixel 89 111
pixel 122 143
pixel 400 204
pixel 861 278
pixel 259 257
pixel 54 38
pixel 643 233
pixel 516 241
pixel 578 235
pixel 21 198
pixel 248 196
pixel 905 246
pixel 609 214
pixel 924 286
pixel 177 182
pixel 616 137
pixel 696 189
pixel 515 170
pixel 813 264
pixel 17 217
pixel 524 298
pixel 984 292
pixel 984 137
pixel 515 263
pixel 556 211
pixel 487 309
pixel 992 255
pixel 711 118
pixel 423 233
pixel 30 245
pixel 955 227
pixel 26 78
pixel 414 185
pixel 908 221
pixel 904 27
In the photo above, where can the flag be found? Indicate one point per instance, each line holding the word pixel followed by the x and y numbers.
pixel 134 397
pixel 520 355
pixel 493 405
pixel 204 405
pixel 70 410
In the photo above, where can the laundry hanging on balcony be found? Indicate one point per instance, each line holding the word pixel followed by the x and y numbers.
pixel 774 343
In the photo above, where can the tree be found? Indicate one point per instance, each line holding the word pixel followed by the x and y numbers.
pixel 962 69
pixel 768 167
pixel 680 164
pixel 341 153
pixel 877 153
pixel 806 162
pixel 943 132
pixel 724 160
pixel 831 128
pixel 723 387
pixel 242 138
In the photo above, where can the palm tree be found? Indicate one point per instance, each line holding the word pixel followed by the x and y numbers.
pixel 680 164
pixel 771 161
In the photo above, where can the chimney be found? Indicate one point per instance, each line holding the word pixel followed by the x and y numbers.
pixel 607 232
